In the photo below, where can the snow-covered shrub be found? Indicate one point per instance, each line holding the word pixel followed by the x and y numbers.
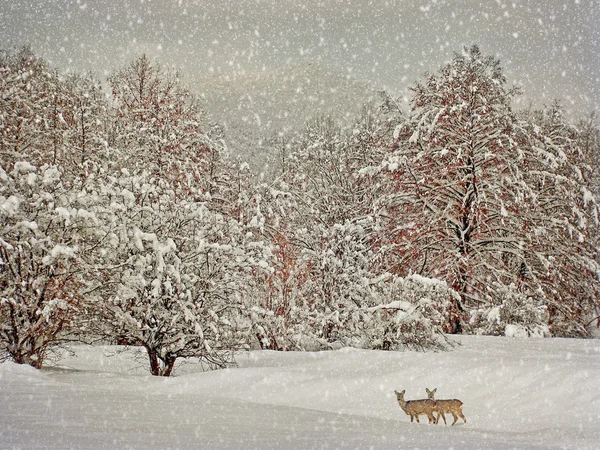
pixel 413 319
pixel 280 313
pixel 326 296
pixel 178 272
pixel 292 330
pixel 310 299
pixel 42 235
pixel 339 281
pixel 510 313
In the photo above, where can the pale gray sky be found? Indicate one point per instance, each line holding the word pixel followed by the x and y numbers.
pixel 549 47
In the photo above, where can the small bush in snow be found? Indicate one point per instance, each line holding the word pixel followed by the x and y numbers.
pixel 511 313
pixel 413 320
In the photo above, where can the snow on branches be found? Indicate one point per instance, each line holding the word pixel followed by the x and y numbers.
pixel 42 234
pixel 414 318
pixel 46 118
pixel 127 218
pixel 159 126
pixel 179 273
pixel 483 200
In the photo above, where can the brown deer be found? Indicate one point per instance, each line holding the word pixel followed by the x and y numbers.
pixel 442 407
pixel 414 408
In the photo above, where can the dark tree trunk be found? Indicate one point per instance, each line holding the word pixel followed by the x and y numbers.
pixel 33 359
pixel 160 367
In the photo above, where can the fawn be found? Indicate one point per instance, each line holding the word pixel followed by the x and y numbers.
pixel 414 408
pixel 442 407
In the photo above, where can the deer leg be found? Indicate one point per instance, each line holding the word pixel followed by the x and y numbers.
pixel 443 417
pixel 455 418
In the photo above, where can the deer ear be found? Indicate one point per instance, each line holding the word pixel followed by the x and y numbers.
pixel 433 392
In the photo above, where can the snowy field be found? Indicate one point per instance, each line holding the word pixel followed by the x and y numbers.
pixel 517 394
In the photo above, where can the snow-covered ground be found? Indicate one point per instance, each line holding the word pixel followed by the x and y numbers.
pixel 517 394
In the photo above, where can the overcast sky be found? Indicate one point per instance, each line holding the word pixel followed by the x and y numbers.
pixel 549 47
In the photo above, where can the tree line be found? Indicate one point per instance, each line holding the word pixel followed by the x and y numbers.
pixel 124 218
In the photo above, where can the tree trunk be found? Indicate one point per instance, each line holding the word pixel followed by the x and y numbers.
pixel 33 359
pixel 160 367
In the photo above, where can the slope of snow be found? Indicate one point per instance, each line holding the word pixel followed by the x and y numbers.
pixel 517 393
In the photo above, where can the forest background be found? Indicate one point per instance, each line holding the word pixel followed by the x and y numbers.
pixel 125 219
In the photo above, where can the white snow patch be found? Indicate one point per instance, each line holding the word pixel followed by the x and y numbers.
pixel 22 167
pixel 10 205
pixel 517 393
pixel 59 251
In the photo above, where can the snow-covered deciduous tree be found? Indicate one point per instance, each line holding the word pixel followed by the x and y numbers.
pixel 340 281
pixel 29 113
pixel 279 317
pixel 326 173
pixel 178 273
pixel 588 138
pixel 482 200
pixel 318 244
pixel 85 146
pixel 278 313
pixel 455 195
pixel 325 241
pixel 159 126
pixel 42 235
pixel 562 260
pixel 49 119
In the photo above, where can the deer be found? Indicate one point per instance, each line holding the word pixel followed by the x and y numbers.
pixel 414 408
pixel 442 407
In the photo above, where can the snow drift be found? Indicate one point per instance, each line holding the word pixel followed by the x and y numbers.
pixel 517 393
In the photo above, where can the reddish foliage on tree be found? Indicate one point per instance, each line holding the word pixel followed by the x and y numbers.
pixel 455 195
pixel 288 276
pixel 32 110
